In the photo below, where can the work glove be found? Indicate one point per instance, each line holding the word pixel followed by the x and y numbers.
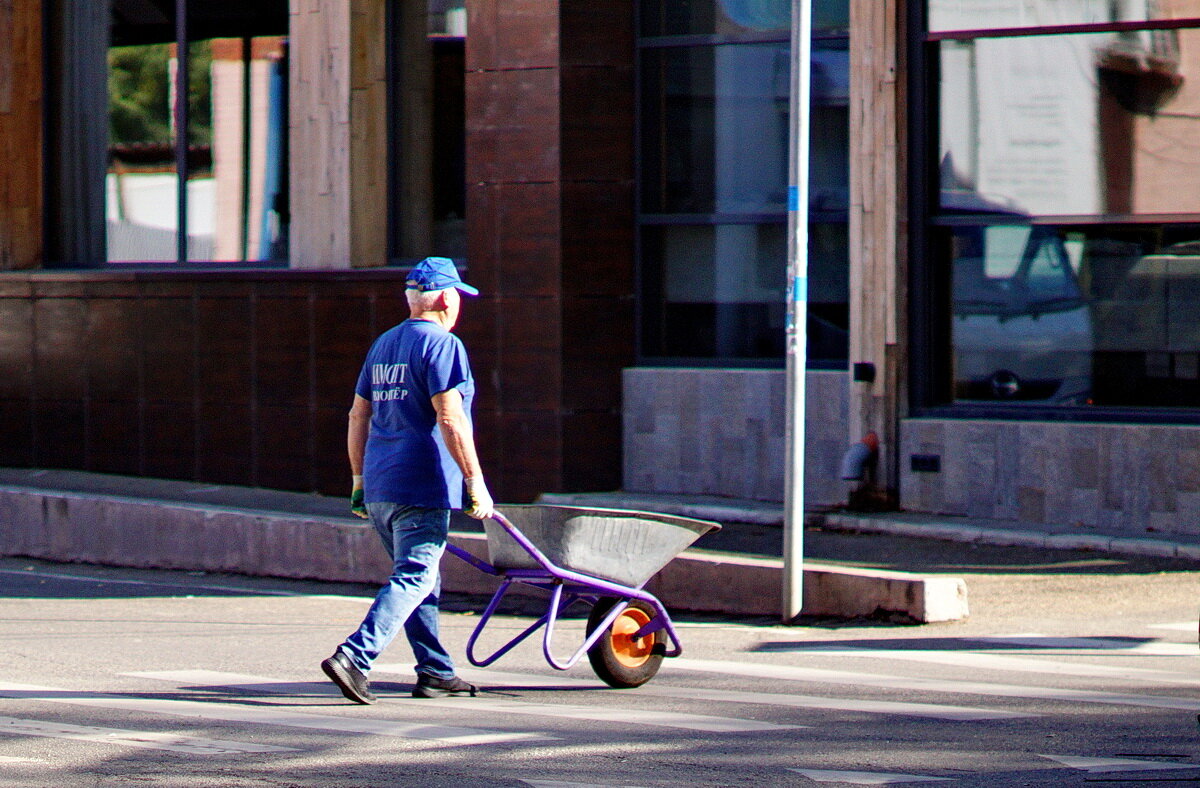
pixel 479 500
pixel 356 498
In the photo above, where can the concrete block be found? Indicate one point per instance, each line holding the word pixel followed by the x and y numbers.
pixel 15 510
pixel 1070 541
pixel 1009 537
pixel 841 591
pixel 720 582
pixel 1150 547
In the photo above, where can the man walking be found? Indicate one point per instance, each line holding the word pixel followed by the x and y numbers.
pixel 412 451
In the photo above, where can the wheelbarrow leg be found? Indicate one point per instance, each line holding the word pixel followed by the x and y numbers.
pixel 486 617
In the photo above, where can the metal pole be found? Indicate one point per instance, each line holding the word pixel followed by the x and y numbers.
pixel 797 312
pixel 244 206
pixel 181 129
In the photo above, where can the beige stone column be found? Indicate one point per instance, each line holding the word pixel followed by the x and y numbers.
pixel 878 238
pixel 338 133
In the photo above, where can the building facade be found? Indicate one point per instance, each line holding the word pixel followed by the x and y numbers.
pixel 1002 224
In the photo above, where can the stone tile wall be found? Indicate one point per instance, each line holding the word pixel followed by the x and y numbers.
pixel 1131 477
pixel 721 432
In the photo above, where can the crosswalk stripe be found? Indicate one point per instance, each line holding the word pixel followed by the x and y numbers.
pixel 693 722
pixel 561 784
pixel 224 712
pixel 864 778
pixel 824 676
pixel 1108 765
pixel 925 710
pixel 999 662
pixel 1177 626
pixel 1154 648
pixel 154 740
pixel 181 587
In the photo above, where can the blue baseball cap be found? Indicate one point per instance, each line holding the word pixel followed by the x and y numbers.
pixel 437 273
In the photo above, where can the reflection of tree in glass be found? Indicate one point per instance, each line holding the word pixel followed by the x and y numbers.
pixel 139 94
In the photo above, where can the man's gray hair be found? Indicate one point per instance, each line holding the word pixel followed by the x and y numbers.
pixel 422 300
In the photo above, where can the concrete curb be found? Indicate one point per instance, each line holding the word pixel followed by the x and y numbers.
pixel 1010 537
pixel 145 533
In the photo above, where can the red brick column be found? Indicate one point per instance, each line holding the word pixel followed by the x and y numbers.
pixel 550 216
pixel 21 134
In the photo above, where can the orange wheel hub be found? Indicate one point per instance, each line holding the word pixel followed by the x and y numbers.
pixel 630 651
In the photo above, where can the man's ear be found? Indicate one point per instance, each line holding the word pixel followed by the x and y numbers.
pixel 443 300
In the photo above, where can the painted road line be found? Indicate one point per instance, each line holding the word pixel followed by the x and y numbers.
pixel 1000 662
pixel 185 588
pixel 257 715
pixel 1178 626
pixel 1108 765
pixel 924 710
pixel 26 761
pixel 864 778
pixel 693 722
pixel 819 675
pixel 1102 646
pixel 561 784
pixel 154 740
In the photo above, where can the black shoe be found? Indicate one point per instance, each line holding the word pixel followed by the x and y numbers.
pixel 349 679
pixel 433 687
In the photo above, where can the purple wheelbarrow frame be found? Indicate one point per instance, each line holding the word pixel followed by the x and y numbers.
pixel 566 587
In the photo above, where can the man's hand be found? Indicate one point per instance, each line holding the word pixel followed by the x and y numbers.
pixel 480 505
pixel 356 498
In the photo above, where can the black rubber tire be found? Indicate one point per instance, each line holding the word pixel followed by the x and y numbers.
pixel 605 662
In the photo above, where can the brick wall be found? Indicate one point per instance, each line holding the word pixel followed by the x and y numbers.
pixel 226 377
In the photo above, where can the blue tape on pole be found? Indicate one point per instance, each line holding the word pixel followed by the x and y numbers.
pixel 800 289
pixel 793 198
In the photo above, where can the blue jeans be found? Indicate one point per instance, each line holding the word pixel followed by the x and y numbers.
pixel 415 539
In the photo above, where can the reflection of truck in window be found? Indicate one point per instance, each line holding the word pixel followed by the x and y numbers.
pixel 1022 326
pixel 1148 331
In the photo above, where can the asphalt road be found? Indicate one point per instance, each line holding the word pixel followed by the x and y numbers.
pixel 1074 668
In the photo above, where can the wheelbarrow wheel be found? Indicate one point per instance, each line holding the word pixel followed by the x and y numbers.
pixel 618 658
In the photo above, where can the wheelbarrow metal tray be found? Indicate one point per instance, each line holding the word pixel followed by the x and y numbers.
pixel 621 546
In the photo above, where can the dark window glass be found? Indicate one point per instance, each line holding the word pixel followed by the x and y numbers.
pixel 1101 315
pixel 976 14
pixel 711 102
pixel 235 143
pixel 717 291
pixel 829 127
pixel 1072 125
pixel 733 17
pixel 714 17
pixel 713 185
pixel 830 16
pixel 720 290
pixel 222 175
pixel 141 188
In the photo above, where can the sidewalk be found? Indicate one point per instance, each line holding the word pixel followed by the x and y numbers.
pixel 912 567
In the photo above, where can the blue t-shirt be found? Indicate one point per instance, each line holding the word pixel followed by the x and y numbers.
pixel 406 459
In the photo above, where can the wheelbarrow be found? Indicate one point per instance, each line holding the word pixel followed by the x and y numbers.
pixel 602 557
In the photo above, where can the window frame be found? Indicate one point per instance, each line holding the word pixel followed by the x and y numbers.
pixel 186 32
pixel 930 383
pixel 644 220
